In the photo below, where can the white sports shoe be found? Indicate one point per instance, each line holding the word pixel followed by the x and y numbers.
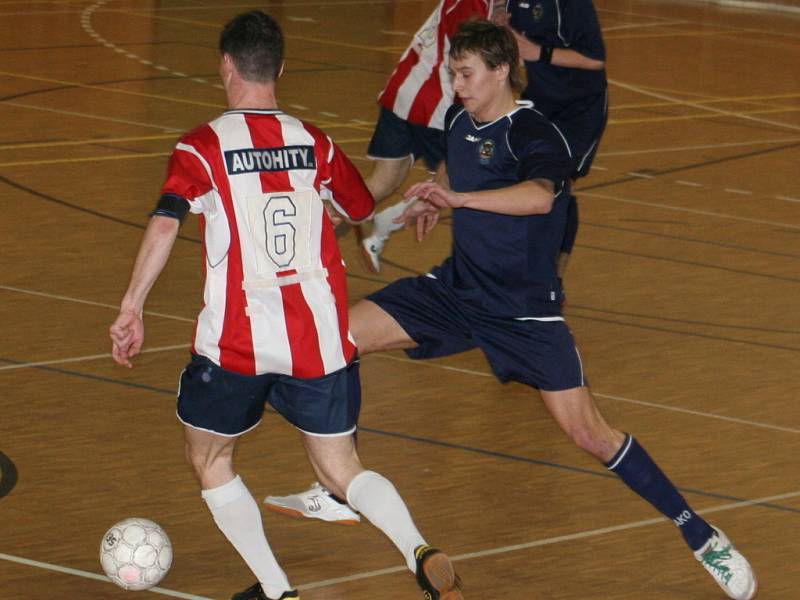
pixel 728 567
pixel 371 248
pixel 314 503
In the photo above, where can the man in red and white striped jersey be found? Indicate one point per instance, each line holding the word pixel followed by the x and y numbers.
pixel 274 326
pixel 411 120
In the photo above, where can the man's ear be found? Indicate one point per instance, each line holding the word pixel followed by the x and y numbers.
pixel 280 71
pixel 503 71
pixel 226 68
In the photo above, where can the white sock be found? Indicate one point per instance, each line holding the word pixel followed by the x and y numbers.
pixel 383 225
pixel 236 513
pixel 375 497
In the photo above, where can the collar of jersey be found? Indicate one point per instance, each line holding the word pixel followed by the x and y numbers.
pixel 260 111
pixel 520 105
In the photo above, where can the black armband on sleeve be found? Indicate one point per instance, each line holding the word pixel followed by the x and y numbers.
pixel 170 205
pixel 546 55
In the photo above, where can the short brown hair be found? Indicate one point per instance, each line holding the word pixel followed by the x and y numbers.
pixel 255 43
pixel 494 44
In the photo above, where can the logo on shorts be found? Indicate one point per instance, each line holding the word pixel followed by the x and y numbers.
pixel 486 151
pixel 538 12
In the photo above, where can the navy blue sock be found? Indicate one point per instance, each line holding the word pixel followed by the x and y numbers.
pixel 640 473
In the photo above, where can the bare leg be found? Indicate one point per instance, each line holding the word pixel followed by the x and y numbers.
pixel 233 507
pixel 339 469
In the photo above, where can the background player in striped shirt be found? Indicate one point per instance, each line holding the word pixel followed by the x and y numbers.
pixel 274 326
pixel 411 118
pixel 506 180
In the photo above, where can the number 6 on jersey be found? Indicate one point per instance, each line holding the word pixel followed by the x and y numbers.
pixel 280 226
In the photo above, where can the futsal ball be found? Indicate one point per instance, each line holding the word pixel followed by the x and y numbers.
pixel 136 554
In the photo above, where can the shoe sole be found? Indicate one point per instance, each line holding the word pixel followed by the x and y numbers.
pixel 440 573
pixel 296 514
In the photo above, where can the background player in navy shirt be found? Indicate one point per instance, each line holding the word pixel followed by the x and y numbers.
pixel 561 44
pixel 505 177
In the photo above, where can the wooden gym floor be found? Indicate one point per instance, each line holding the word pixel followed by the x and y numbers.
pixel 683 295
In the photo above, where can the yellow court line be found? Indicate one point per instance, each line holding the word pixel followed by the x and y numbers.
pixel 141 138
pixel 107 89
pixel 85 159
pixel 388 50
pixel 701 116
pixel 663 34
pixel 61 161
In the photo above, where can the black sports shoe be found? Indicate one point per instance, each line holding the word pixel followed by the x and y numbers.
pixel 255 592
pixel 435 575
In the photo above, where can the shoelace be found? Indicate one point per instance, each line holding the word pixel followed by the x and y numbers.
pixel 716 559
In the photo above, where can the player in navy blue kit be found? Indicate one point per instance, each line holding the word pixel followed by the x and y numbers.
pixel 506 178
pixel 561 44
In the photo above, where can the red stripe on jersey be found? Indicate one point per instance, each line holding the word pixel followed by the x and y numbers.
pixel 300 326
pixel 337 280
pixel 388 96
pixel 341 176
pixel 236 341
pixel 428 98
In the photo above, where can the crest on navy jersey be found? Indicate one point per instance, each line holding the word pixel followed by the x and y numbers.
pixel 538 12
pixel 485 152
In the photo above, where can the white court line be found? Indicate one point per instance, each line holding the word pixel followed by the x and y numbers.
pixel 89 116
pixel 698 413
pixel 738 191
pixel 580 535
pixel 697 147
pixel 639 25
pixel 720 111
pixel 89 302
pixel 689 183
pixel 753 5
pixel 390 357
pixel 706 213
pixel 75 359
pixel 666 407
pixel 88 575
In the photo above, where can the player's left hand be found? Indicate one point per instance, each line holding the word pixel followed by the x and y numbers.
pixel 127 336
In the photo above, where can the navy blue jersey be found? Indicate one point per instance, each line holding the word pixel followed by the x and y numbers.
pixel 571 24
pixel 505 265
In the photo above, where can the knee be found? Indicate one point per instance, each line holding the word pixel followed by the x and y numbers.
pixel 206 465
pixel 600 444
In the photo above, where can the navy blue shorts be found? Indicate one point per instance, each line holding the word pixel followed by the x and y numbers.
pixel 227 403
pixel 541 354
pixel 395 138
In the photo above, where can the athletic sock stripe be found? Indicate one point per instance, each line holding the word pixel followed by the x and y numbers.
pixel 621 454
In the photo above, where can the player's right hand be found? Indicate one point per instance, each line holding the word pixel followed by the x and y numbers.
pixel 127 336
pixel 421 213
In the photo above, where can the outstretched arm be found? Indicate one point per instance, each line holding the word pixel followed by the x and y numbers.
pixel 127 331
pixel 532 197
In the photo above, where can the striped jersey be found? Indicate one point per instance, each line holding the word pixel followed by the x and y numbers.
pixel 419 89
pixel 275 297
